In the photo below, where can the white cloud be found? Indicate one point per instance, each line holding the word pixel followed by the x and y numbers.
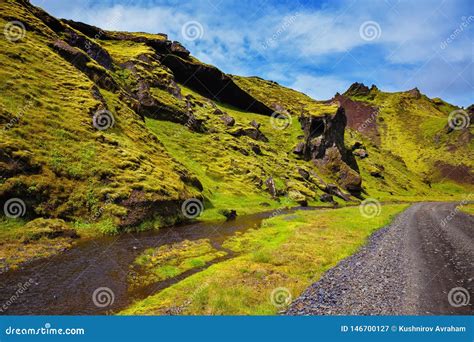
pixel 320 88
pixel 281 42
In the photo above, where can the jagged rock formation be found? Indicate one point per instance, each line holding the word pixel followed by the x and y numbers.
pixel 324 145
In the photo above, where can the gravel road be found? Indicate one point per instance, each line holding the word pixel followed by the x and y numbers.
pixel 406 268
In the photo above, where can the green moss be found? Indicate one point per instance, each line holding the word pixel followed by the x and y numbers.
pixel 168 261
pixel 271 93
pixel 125 50
pixel 80 166
pixel 289 251
pixel 83 175
pixel 467 208
pixel 22 241
pixel 415 130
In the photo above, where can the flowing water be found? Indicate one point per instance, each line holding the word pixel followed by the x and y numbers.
pixel 65 283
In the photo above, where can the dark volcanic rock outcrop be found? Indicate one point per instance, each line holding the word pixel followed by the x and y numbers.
pixel 81 61
pixel 251 132
pixel 357 89
pixel 213 83
pixel 205 79
pixel 324 145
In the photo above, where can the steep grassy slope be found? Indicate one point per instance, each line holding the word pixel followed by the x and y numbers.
pixel 416 129
pixel 52 155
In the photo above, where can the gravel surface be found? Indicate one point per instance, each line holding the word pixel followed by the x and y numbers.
pixel 406 268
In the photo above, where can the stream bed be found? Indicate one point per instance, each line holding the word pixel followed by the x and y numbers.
pixel 64 284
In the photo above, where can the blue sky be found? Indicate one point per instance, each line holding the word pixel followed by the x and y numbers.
pixel 318 47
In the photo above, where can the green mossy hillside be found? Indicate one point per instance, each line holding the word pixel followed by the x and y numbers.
pixel 415 128
pixel 168 143
pixel 52 156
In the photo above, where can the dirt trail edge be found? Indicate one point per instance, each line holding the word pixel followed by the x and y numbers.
pixel 406 268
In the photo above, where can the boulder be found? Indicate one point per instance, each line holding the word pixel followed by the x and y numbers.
pixel 255 124
pixel 270 183
pixel 326 198
pixel 213 84
pixel 179 50
pixel 303 203
pixel 84 63
pixel 92 49
pixel 229 121
pixel 376 174
pixel 357 145
pixel 230 214
pixel 361 153
pixel 299 149
pixel 256 149
pixel 332 189
pixel 303 173
pixel 324 145
pixel 253 133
